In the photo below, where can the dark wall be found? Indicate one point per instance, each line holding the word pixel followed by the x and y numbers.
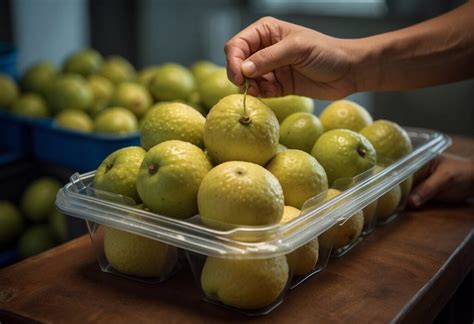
pixel 6 34
pixel 113 27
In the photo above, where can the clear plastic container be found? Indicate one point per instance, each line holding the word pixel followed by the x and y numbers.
pixel 16 136
pixel 249 282
pixel 157 261
pixel 78 198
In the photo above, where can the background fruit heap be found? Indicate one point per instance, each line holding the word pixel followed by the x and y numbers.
pixel 36 225
pixel 93 94
pixel 241 162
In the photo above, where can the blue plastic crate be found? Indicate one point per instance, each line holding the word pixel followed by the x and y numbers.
pixel 9 257
pixel 14 179
pixel 16 141
pixel 76 150
pixel 8 56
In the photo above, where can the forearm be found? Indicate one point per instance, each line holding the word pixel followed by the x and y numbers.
pixel 437 51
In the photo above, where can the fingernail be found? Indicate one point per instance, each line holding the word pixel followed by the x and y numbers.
pixel 248 68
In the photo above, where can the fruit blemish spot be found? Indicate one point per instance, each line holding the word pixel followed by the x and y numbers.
pixel 361 151
pixel 108 167
pixel 152 169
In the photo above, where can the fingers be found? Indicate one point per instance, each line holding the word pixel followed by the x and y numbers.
pixel 264 86
pixel 450 179
pixel 430 187
pixel 236 53
pixel 270 59
pixel 240 47
pixel 269 86
pixel 255 37
pixel 254 89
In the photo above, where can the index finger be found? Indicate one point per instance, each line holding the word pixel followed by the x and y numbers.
pixel 235 55
pixel 248 41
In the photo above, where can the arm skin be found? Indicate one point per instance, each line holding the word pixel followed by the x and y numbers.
pixel 282 58
pixel 437 51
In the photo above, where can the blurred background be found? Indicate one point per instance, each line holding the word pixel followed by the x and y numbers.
pixel 155 31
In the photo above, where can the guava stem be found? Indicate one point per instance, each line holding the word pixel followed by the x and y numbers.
pixel 245 96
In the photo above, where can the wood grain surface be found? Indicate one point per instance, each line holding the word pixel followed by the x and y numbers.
pixel 405 272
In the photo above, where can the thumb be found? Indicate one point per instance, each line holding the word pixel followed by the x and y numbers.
pixel 427 189
pixel 269 59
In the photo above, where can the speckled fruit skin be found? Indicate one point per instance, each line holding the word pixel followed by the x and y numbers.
pixel 172 121
pixel 215 87
pixel 300 131
pixel 132 96
pixel 240 193
pixel 171 81
pixel 287 105
pixel 303 260
pixel 388 203
pixel 343 154
pixel 74 119
pixel 136 255
pixel 389 140
pixel 117 69
pixel 119 171
pixel 202 69
pixel 115 120
pixel 300 175
pixel 245 284
pixel 228 138
pixel 345 114
pixel 345 234
pixel 170 176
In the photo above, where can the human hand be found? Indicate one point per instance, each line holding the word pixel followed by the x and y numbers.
pixel 447 178
pixel 281 58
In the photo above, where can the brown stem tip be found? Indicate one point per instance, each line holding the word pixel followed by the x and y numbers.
pixel 152 169
pixel 245 120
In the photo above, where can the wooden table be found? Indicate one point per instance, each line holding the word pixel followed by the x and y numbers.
pixel 405 271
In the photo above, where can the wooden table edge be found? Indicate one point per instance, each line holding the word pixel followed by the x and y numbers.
pixel 438 290
pixel 14 317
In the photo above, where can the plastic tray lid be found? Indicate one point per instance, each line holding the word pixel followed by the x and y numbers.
pixel 78 198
